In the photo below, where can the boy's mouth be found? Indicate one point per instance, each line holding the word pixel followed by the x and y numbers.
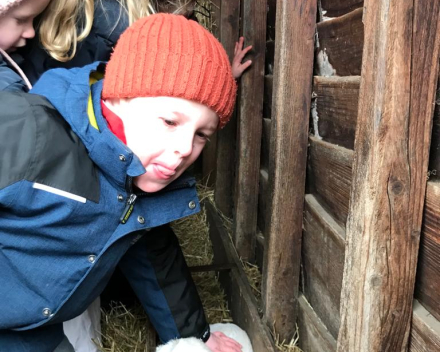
pixel 164 171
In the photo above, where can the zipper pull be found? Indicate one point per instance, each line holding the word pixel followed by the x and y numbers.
pixel 128 209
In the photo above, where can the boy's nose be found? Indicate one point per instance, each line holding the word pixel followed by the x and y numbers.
pixel 184 146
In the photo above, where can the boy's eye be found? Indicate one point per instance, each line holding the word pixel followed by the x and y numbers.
pixel 169 122
pixel 203 136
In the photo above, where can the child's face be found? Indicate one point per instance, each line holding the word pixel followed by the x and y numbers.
pixel 166 133
pixel 17 24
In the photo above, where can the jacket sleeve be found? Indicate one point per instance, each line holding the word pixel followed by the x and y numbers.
pixel 157 271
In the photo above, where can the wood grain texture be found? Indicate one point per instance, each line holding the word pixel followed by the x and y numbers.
pixel 323 263
pixel 330 173
pixel 396 101
pixel 249 130
pixel 314 337
pixel 428 269
pixel 341 39
pixel 226 138
pixel 242 302
pixel 334 8
pixel 425 331
pixel 336 104
pixel 292 84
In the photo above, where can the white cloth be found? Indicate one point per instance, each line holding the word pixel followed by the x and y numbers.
pixel 81 330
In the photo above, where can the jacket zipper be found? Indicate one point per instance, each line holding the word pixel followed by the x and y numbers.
pixel 128 208
pixel 132 198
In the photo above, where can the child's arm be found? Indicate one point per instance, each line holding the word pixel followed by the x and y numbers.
pixel 239 53
pixel 156 269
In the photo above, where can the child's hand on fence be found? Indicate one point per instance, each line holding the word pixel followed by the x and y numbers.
pixel 239 53
pixel 219 342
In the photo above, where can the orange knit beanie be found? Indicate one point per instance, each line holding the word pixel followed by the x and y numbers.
pixel 169 55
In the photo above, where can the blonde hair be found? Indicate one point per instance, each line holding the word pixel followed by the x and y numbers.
pixel 60 28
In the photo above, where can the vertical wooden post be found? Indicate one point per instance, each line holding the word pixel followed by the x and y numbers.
pixel 249 130
pixel 294 45
pixel 209 166
pixel 399 71
pixel 226 138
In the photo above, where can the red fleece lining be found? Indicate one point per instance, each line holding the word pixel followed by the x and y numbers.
pixel 114 122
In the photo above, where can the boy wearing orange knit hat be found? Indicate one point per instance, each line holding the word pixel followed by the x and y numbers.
pixel 92 165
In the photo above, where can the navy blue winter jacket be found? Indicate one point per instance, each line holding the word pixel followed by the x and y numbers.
pixel 64 189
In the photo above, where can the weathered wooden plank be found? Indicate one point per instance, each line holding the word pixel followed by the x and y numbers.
pixel 314 337
pixel 242 302
pixel 249 130
pixel 330 171
pixel 295 28
pixel 323 263
pixel 334 8
pixel 434 160
pixel 425 331
pixel 428 269
pixel 396 100
pixel 334 109
pixel 340 41
pixel 226 138
pixel 209 156
pixel 209 159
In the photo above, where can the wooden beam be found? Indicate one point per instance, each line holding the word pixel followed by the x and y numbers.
pixel 295 28
pixel 334 8
pixel 340 42
pixel 396 101
pixel 209 155
pixel 244 307
pixel 425 332
pixel 226 138
pixel 314 337
pixel 428 269
pixel 249 130
pixel 330 170
pixel 323 263
pixel 334 109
